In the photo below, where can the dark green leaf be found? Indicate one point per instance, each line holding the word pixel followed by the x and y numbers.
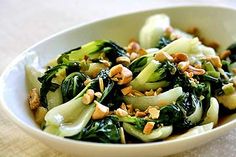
pixel 105 131
pixel 72 85
pixel 46 79
pixel 163 42
pixel 232 49
pixel 94 51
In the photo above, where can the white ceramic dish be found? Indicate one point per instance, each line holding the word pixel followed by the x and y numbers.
pixel 214 22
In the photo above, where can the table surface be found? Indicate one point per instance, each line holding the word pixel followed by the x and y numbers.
pixel 24 23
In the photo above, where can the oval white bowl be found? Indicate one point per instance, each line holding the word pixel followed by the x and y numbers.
pixel 214 22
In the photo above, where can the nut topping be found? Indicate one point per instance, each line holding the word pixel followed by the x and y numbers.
pixel 120 74
pixel 34 99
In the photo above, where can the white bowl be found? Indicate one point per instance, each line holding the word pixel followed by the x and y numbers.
pixel 214 22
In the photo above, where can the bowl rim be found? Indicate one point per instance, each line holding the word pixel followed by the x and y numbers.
pixel 27 128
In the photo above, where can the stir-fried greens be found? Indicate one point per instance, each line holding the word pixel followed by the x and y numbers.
pixel 167 84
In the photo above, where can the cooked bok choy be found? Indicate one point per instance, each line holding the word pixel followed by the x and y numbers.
pixel 71 117
pixel 170 83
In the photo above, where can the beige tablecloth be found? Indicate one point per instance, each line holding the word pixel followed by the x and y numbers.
pixel 23 23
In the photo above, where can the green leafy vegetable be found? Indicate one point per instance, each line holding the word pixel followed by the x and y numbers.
pixel 163 42
pixel 108 84
pixel 156 134
pixel 93 50
pixel 72 85
pixel 192 107
pixel 232 49
pixel 141 81
pixel 178 114
pixel 194 131
pixel 153 30
pixel 212 113
pixel 114 97
pixel 164 72
pixel 163 96
pixel 71 117
pixel 163 99
pixel 52 79
pixel 104 131
pixel 140 63
pixel 137 122
pixel 54 98
pixel 171 115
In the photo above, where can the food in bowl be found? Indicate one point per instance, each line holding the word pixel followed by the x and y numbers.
pixel 167 83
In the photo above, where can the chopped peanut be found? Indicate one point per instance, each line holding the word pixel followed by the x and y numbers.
pixel 188 74
pixel 133 56
pixel 87 81
pixel 155 93
pixel 90 92
pixel 142 52
pixel 40 114
pixel 133 47
pixel 115 79
pixel 120 112
pixel 178 57
pixel 126 76
pixel 140 114
pixel 105 62
pixel 98 94
pixel 123 60
pixel 120 74
pixel 169 30
pixel 149 93
pixel 148 128
pixel 34 99
pixel 158 91
pixel 130 94
pixel 115 70
pixel 101 84
pixel 163 56
pixel 137 93
pixel 100 112
pixel 196 71
pixel 88 97
pixel 149 107
pixel 215 60
pixel 198 65
pixel 130 109
pixel 126 90
pixel 154 113
pixel 183 65
pixel 123 106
